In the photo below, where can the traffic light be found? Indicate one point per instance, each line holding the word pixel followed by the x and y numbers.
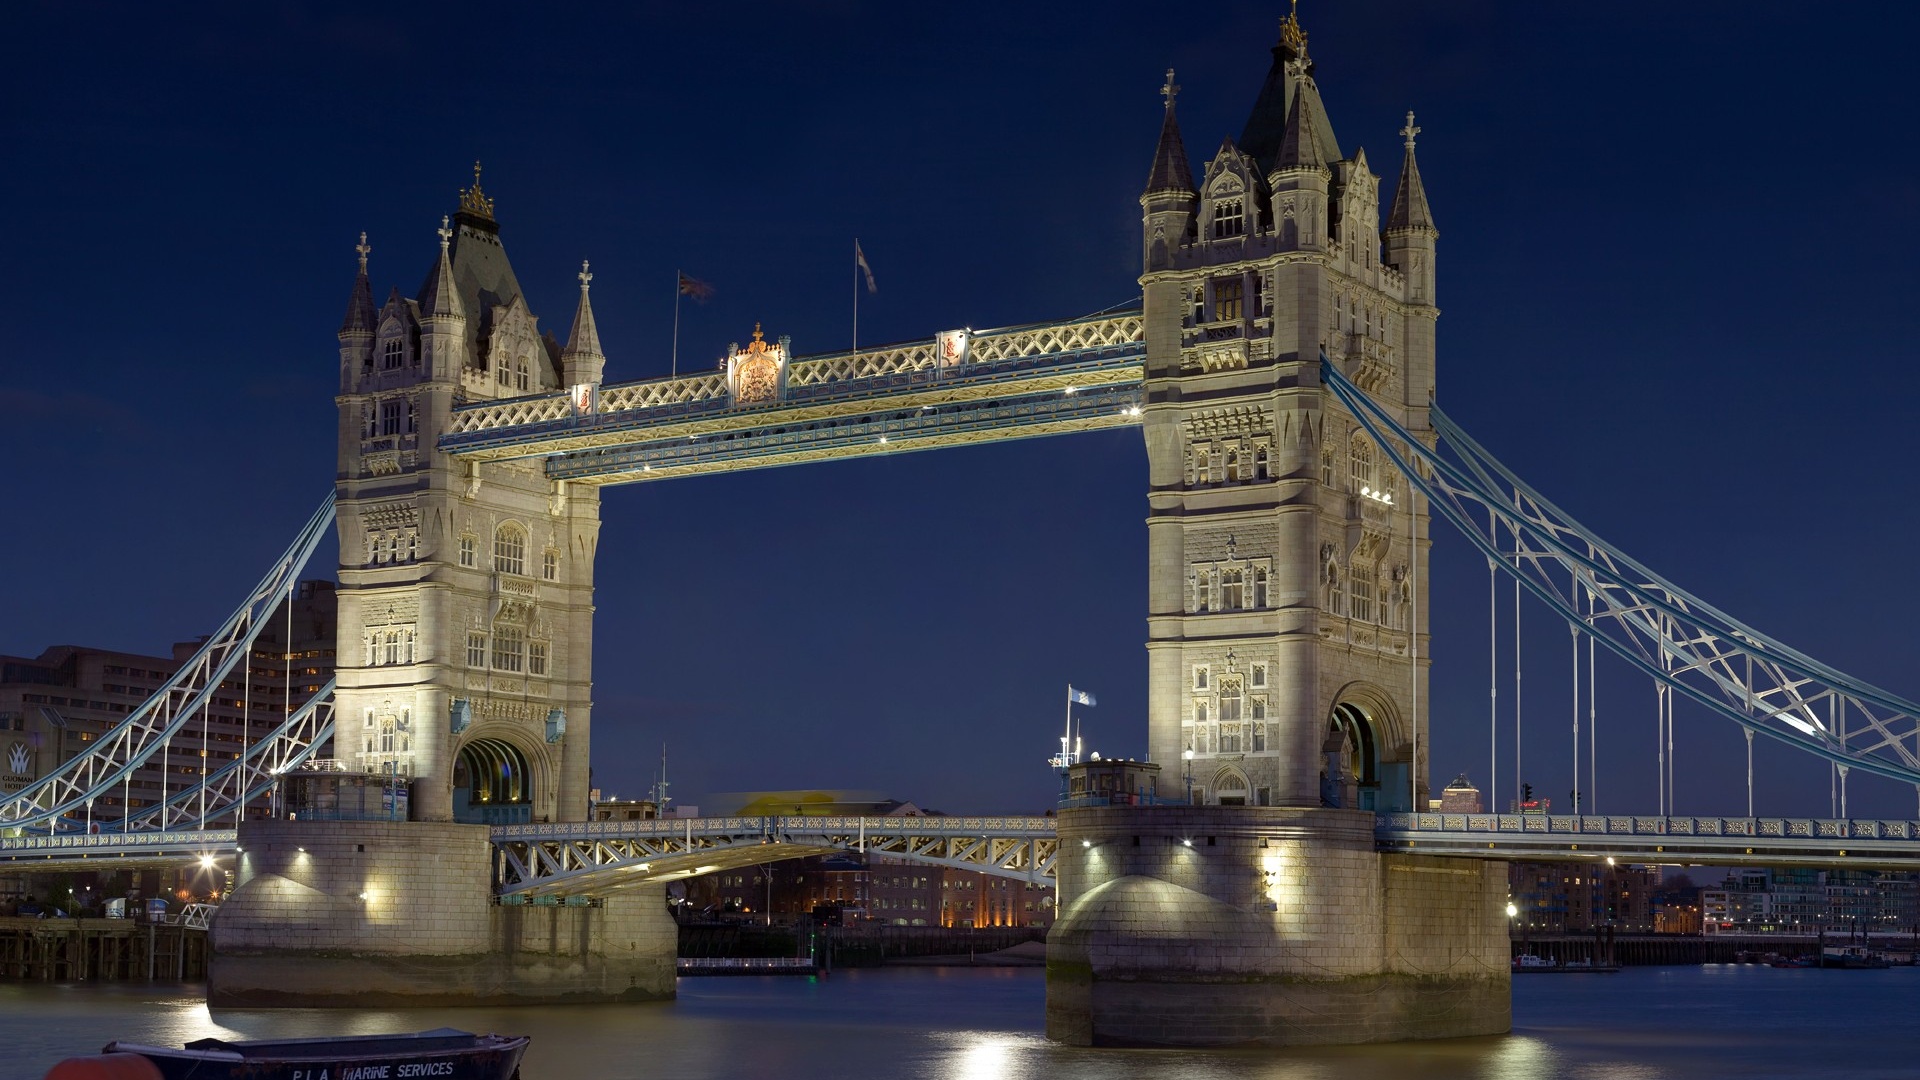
pixel 1526 793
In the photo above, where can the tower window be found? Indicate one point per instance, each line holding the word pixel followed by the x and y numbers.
pixel 1360 592
pixel 476 649
pixel 467 546
pixel 1229 218
pixel 536 658
pixel 393 354
pixel 390 417
pixel 1200 677
pixel 1229 700
pixel 550 565
pixel 520 374
pixel 510 550
pixel 1360 464
pixel 1228 296
pixel 1260 603
pixel 1232 590
pixel 509 648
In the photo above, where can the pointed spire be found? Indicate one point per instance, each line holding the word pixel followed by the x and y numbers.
pixel 1299 146
pixel 360 313
pixel 583 341
pixel 439 296
pixel 1410 210
pixel 1171 172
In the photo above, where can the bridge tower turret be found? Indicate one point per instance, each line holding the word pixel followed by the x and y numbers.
pixel 466 588
pixel 1288 562
pixel 356 329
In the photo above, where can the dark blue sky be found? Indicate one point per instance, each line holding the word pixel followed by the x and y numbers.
pixel 1676 271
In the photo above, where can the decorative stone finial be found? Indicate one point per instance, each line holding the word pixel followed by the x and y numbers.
pixel 446 234
pixel 1409 131
pixel 364 251
pixel 586 279
pixel 1169 91
pixel 473 200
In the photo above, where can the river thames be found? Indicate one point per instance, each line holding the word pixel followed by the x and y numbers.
pixel 1734 1021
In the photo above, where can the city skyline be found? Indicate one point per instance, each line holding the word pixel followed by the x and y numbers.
pixel 911 623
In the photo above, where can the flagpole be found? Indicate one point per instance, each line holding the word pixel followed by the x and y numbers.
pixel 676 323
pixel 1066 740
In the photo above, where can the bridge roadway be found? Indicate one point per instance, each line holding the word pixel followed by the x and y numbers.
pixel 993 385
pixel 595 857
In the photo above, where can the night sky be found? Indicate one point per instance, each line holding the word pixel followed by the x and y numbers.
pixel 1676 270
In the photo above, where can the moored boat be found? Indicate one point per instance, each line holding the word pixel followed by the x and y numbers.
pixel 442 1054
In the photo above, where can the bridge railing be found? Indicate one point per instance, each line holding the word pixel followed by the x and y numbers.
pixel 819 378
pixel 195 839
pixel 670 828
pixel 1640 825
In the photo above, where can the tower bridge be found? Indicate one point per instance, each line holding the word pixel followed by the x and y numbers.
pixel 1281 368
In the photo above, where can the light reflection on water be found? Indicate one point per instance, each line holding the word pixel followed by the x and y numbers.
pixel 986 1024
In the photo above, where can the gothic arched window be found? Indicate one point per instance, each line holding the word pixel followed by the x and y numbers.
pixel 393 354
pixel 1360 591
pixel 1229 218
pixel 1232 590
pixel 1360 464
pixel 510 550
pixel 550 565
pixel 509 648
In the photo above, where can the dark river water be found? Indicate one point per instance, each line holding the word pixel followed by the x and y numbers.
pixel 1739 1022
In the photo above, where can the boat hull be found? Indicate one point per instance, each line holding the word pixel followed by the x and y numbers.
pixel 485 1057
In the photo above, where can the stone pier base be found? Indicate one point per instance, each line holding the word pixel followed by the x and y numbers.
pixel 1264 926
pixel 400 914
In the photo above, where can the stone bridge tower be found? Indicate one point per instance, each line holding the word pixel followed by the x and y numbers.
pixel 1288 612
pixel 466 589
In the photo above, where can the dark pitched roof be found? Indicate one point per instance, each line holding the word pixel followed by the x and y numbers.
pixel 360 312
pixel 1300 146
pixel 1266 126
pixel 1410 210
pixel 584 338
pixel 1170 169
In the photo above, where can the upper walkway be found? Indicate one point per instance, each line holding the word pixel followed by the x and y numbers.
pixel 961 387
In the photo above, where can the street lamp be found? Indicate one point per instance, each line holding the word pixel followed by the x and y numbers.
pixel 1186 759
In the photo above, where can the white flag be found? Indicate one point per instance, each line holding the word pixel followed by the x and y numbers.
pixel 1078 697
pixel 860 263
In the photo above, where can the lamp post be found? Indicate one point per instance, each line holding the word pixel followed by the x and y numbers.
pixel 1186 761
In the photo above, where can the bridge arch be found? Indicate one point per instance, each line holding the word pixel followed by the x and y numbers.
pixel 496 781
pixel 1230 787
pixel 1366 730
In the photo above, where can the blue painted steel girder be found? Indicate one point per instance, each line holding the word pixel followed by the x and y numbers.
pixel 782 439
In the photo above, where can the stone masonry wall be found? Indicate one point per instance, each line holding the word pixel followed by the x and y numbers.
pixel 1221 926
pixel 400 913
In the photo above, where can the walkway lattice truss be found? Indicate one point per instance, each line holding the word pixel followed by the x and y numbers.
pixel 1696 650
pixel 59 799
pixel 592 857
pixel 1013 383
